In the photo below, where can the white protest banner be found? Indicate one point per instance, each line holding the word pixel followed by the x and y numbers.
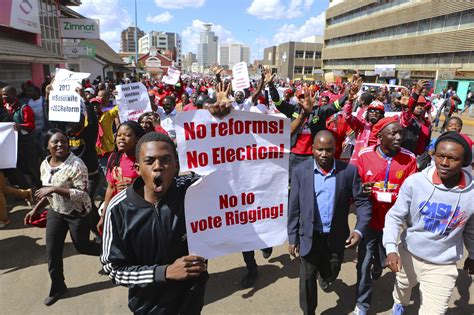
pixel 241 204
pixel 241 78
pixel 172 77
pixel 64 102
pixel 132 100
pixel 8 145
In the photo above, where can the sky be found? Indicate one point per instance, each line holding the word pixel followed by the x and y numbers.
pixel 255 23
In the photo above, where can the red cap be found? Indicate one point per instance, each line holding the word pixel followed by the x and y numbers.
pixel 300 93
pixel 382 123
pixel 377 105
pixel 261 99
pixel 421 99
pixel 289 91
pixel 96 100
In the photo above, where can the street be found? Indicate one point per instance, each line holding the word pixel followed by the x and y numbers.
pixel 24 282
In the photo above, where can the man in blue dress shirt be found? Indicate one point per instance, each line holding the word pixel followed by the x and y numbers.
pixel 321 192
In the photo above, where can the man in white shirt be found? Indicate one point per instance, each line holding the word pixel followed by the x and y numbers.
pixel 167 115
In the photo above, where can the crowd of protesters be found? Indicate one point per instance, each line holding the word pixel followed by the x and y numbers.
pixel 104 178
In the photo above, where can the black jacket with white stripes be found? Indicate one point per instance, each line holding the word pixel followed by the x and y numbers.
pixel 140 240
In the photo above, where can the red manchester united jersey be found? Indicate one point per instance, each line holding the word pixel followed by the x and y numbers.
pixel 388 174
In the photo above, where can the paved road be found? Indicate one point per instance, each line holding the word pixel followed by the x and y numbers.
pixel 24 281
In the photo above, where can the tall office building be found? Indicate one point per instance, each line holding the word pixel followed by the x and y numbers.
pixel 233 53
pixel 127 40
pixel 188 60
pixel 402 40
pixel 223 57
pixel 207 48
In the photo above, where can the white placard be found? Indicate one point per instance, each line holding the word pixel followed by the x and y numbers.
pixel 241 204
pixel 79 28
pixel 8 145
pixel 64 102
pixel 172 77
pixel 132 100
pixel 241 78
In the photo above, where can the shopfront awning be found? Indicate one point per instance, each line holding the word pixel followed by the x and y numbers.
pixel 12 50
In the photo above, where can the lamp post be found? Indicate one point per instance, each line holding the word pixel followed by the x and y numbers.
pixel 284 58
pixel 136 41
pixel 258 42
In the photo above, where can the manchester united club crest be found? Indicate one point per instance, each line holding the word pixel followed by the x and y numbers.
pixel 399 174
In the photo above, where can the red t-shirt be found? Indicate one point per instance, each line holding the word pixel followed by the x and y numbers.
pixel 123 174
pixel 160 129
pixel 373 167
pixel 339 127
pixel 189 107
pixel 304 141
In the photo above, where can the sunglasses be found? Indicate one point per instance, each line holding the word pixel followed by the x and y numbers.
pixel 373 110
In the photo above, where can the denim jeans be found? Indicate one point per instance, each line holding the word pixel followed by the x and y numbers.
pixel 370 252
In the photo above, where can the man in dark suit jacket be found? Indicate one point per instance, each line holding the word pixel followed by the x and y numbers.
pixel 321 192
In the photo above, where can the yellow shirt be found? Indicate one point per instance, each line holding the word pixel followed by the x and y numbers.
pixel 106 122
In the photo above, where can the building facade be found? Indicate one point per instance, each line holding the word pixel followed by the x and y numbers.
pixel 402 40
pixel 30 40
pixel 188 60
pixel 233 53
pixel 223 56
pixel 127 39
pixel 167 43
pixel 207 48
pixel 295 60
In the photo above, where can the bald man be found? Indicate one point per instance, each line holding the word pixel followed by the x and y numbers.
pixel 318 229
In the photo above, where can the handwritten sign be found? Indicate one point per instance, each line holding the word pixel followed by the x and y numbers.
pixel 64 102
pixel 132 100
pixel 241 78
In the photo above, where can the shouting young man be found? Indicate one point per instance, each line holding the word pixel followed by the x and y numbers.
pixel 144 240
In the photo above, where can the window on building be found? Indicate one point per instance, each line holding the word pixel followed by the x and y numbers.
pixel 309 55
pixel 424 27
pixel 299 54
pixel 452 21
pixel 467 18
pixel 49 27
pixel 269 58
pixel 298 70
pixel 308 70
pixel 317 55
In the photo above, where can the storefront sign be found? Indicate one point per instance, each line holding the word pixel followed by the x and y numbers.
pixel 74 51
pixel 404 74
pixel 79 28
pixel 423 74
pixel 21 15
pixel 385 71
pixel 446 74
